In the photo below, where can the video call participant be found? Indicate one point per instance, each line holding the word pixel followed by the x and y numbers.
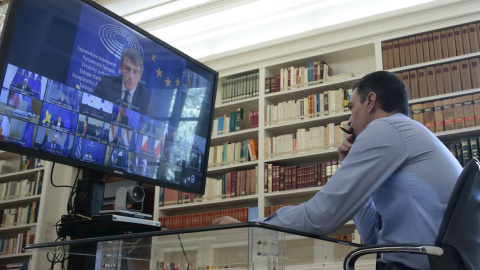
pixel 395 178
pixel 62 100
pixel 143 168
pixel 125 89
pixel 24 85
pixel 58 124
pixel 53 144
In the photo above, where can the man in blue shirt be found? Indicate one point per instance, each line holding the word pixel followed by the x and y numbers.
pixel 395 178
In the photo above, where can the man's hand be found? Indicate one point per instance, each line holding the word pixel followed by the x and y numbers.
pixel 344 148
pixel 224 220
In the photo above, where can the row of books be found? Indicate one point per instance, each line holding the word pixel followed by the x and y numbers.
pixel 234 121
pixel 29 162
pixel 17 244
pixel 281 178
pixel 229 185
pixel 296 77
pixel 242 214
pixel 22 188
pixel 434 45
pixel 232 184
pixel 305 140
pixel 440 79
pixel 465 149
pixel 233 153
pixel 19 215
pixel 242 87
pixel 326 103
pixel 448 114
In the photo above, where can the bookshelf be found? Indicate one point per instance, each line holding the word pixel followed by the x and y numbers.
pixel 355 49
pixel 40 202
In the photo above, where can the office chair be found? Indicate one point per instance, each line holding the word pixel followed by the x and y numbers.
pixel 458 242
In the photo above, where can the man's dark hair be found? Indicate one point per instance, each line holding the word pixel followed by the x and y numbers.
pixel 134 56
pixel 391 93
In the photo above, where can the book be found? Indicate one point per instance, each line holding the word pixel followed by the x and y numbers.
pixel 428 116
pixel 474 149
pixel 465 75
pixel 439 80
pixel 456 79
pixel 466 150
pixel 473 38
pixel 384 47
pixel 419 47
pixel 422 83
pixel 447 79
pixel 468 111
pixel 452 51
pixel 438 116
pixel 444 42
pixel 396 54
pixel 425 48
pixel 406 82
pixel 465 39
pixel 458 112
pixel 417 113
pixel 475 72
pixel 476 108
pixel 437 45
pixel 448 116
pixel 458 40
pixel 413 51
pixel 414 84
pixel 406 45
pixel 431 81
pixel 401 48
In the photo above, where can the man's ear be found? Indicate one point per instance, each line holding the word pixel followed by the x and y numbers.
pixel 371 101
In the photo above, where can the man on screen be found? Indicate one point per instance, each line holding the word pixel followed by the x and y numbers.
pixel 53 144
pixel 58 124
pixel 124 89
pixel 24 85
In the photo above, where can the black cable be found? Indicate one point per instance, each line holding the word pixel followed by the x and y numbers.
pixel 184 253
pixel 51 178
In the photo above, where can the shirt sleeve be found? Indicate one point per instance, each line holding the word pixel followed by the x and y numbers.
pixel 376 154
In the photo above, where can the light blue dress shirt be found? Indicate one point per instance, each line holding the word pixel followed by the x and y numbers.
pixel 397 172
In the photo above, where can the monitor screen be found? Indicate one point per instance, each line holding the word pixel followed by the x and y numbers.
pixel 83 87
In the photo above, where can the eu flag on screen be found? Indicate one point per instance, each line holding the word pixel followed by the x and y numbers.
pixel 19 77
pixel 163 77
pixel 27 135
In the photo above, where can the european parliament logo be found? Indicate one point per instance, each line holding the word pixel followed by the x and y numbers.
pixel 115 38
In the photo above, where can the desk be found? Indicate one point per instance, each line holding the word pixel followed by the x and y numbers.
pixel 234 246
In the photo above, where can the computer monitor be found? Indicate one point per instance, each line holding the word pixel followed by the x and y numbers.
pixel 83 87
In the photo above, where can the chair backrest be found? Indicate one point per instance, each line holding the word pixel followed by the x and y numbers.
pixel 459 233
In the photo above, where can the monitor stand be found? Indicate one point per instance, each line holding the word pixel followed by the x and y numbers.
pixel 126 213
pixel 122 218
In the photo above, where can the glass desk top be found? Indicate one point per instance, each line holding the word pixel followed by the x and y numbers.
pixel 234 246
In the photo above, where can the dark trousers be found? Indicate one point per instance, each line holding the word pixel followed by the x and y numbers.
pixel 392 266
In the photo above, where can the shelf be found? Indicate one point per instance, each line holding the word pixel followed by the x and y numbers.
pixel 237 136
pixel 249 200
pixel 4 155
pixel 277 97
pixel 444 96
pixel 19 175
pixel 457 134
pixel 218 170
pixel 292 193
pixel 247 104
pixel 17 228
pixel 292 126
pixel 17 201
pixel 436 62
pixel 15 256
pixel 309 157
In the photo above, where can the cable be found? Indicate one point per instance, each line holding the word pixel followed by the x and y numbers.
pixel 51 178
pixel 184 253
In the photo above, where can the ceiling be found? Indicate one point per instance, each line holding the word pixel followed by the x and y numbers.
pixel 202 28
